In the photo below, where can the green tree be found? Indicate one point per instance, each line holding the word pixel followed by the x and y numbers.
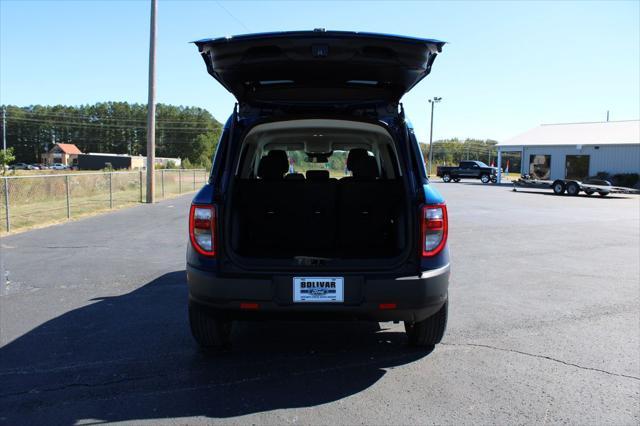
pixel 112 127
pixel 6 158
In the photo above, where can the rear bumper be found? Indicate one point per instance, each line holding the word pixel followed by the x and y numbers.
pixel 415 297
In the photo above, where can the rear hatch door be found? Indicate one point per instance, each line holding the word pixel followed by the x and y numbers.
pixel 318 66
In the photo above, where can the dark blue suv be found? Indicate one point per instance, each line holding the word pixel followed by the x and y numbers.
pixel 318 205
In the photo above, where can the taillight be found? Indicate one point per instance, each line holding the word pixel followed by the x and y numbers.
pixel 202 228
pixel 434 228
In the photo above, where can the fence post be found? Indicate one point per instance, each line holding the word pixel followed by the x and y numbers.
pixel 6 208
pixel 162 181
pixel 179 181
pixel 140 185
pixel 66 184
pixel 110 190
pixel 194 180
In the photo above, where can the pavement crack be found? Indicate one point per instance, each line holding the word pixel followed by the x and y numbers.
pixel 72 247
pixel 77 385
pixel 373 361
pixel 549 358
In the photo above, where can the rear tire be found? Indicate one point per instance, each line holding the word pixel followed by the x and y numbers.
pixel 446 178
pixel 573 189
pixel 209 332
pixel 485 178
pixel 456 180
pixel 589 192
pixel 558 187
pixel 428 332
pixel 603 194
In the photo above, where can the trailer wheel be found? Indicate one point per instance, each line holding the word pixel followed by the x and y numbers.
pixel 573 188
pixel 558 187
pixel 485 178
pixel 446 178
pixel 603 194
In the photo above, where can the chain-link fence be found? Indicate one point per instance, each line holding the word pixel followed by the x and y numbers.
pixel 32 200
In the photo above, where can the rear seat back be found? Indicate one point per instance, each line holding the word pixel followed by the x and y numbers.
pixel 318 208
pixel 368 209
pixel 287 216
pixel 294 176
pixel 264 209
pixel 318 175
pixel 291 217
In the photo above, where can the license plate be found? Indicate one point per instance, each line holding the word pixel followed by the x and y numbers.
pixel 318 289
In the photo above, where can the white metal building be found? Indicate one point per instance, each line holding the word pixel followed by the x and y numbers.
pixel 577 150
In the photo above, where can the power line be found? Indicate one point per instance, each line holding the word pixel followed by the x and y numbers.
pixel 233 17
pixel 96 141
pixel 108 126
pixel 99 118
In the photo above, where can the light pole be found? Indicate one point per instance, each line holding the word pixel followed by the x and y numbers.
pixel 151 109
pixel 433 102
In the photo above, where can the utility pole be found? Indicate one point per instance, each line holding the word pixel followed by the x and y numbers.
pixel 3 276
pixel 151 108
pixel 4 128
pixel 607 116
pixel 433 103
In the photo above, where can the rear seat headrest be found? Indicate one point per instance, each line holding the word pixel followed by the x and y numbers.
pixel 273 165
pixel 365 168
pixel 354 155
pixel 317 175
pixel 280 157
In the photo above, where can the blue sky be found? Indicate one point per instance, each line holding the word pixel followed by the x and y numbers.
pixel 509 66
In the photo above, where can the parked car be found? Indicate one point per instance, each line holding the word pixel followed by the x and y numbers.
pixel 468 170
pixel 19 166
pixel 58 166
pixel 264 243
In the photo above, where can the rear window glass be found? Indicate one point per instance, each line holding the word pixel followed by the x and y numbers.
pixel 300 162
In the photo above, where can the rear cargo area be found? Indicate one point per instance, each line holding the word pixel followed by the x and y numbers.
pixel 329 218
pixel 280 210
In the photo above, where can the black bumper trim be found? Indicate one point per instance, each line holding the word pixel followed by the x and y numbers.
pixel 416 297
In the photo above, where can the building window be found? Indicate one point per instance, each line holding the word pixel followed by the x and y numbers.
pixel 540 166
pixel 576 167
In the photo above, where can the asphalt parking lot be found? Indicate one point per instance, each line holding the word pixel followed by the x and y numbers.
pixel 544 327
